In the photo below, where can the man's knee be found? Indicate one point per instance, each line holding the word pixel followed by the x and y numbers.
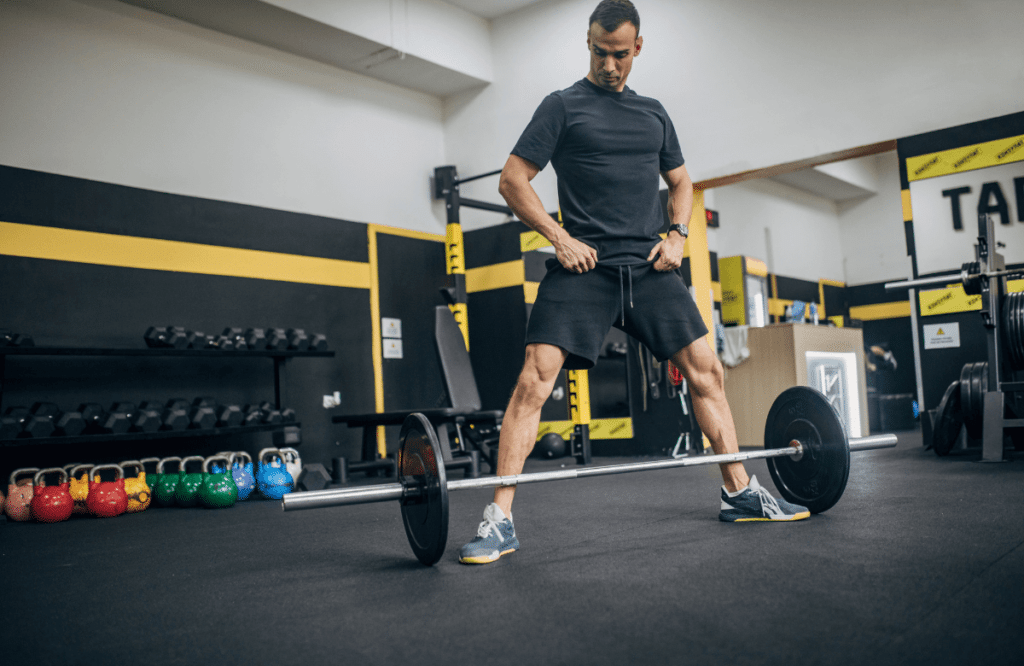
pixel 539 373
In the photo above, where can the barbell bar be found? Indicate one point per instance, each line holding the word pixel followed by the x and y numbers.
pixel 964 277
pixel 805 444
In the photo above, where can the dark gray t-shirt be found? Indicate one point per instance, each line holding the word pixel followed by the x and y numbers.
pixel 608 150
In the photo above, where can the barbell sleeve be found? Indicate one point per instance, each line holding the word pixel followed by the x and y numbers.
pixel 395 491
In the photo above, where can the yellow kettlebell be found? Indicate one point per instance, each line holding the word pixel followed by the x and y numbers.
pixel 80 487
pixel 138 491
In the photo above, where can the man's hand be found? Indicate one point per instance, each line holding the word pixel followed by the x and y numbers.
pixel 669 253
pixel 574 255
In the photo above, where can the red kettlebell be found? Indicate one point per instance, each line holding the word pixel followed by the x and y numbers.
pixel 106 498
pixel 19 495
pixel 52 504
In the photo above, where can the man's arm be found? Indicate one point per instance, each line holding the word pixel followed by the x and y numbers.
pixel 680 207
pixel 517 191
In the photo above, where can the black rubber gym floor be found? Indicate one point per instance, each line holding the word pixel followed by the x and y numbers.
pixel 921 562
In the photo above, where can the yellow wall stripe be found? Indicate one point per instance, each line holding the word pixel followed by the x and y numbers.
pixel 716 291
pixel 700 264
pixel 376 348
pixel 617 428
pixel 966 158
pixel 530 291
pixel 495 276
pixel 908 213
pixel 892 310
pixel 945 301
pixel 531 240
pixel 90 247
pixel 408 233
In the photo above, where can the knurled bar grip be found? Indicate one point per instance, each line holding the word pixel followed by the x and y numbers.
pixel 394 491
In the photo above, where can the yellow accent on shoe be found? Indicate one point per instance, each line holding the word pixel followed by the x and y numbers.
pixel 486 560
pixel 795 516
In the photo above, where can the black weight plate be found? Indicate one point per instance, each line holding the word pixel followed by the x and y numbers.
pixel 1004 326
pixel 965 392
pixel 1014 330
pixel 979 385
pixel 817 480
pixel 1008 338
pixel 425 503
pixel 948 420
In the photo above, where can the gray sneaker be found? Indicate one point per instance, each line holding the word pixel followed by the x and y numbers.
pixel 756 503
pixel 495 537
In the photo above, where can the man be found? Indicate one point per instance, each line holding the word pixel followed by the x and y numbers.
pixel 608 146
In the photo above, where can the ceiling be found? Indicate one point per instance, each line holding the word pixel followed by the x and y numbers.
pixel 490 9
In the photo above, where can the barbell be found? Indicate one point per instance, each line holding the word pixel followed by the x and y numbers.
pixel 804 441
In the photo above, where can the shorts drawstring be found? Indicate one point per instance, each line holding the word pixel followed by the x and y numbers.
pixel 622 292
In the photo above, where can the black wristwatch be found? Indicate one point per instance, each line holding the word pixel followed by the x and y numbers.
pixel 683 230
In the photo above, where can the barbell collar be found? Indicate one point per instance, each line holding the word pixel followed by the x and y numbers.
pixel 396 491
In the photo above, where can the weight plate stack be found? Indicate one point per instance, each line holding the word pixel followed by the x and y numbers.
pixel 972 287
pixel 948 420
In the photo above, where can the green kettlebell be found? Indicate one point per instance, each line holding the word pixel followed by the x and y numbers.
pixel 218 490
pixel 163 492
pixel 187 492
pixel 152 478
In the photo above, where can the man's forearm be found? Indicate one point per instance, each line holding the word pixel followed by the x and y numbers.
pixel 680 204
pixel 527 206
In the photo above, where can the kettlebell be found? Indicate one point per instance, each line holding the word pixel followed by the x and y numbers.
pixel 138 491
pixel 217 468
pixel 51 504
pixel 19 495
pixel 241 472
pixel 79 488
pixel 272 480
pixel 152 478
pixel 292 463
pixel 163 493
pixel 187 492
pixel 218 490
pixel 106 498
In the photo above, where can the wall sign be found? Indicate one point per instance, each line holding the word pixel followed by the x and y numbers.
pixel 942 336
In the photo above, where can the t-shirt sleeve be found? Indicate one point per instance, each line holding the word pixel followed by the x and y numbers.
pixel 671 156
pixel 540 138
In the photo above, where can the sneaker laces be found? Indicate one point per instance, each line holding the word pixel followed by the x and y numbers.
pixel 486 527
pixel 768 503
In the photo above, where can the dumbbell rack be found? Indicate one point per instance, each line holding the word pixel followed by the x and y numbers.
pixel 279 357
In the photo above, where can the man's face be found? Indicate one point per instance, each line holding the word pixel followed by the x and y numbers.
pixel 611 54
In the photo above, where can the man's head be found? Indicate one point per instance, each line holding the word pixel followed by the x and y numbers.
pixel 613 40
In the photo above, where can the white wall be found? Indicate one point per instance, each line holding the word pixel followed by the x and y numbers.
pixel 751 84
pixel 102 90
pixel 873 240
pixel 804 236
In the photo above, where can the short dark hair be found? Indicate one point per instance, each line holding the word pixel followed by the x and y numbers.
pixel 610 14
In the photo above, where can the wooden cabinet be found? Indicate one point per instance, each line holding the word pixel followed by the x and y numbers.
pixel 779 359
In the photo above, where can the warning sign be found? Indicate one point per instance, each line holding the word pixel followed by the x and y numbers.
pixel 941 336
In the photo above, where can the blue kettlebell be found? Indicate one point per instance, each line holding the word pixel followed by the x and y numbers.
pixel 241 472
pixel 272 478
pixel 216 467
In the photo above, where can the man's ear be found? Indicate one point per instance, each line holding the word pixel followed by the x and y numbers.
pixel 636 48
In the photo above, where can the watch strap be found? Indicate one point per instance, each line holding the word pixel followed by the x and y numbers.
pixel 683 230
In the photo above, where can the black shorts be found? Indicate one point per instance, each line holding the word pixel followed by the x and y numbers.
pixel 575 310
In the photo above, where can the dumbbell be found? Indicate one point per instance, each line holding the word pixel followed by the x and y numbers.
pixel 318 342
pixel 174 337
pixel 297 339
pixel 237 337
pixel 277 339
pixel 115 422
pixel 69 424
pixel 252 415
pixel 288 415
pixel 222 342
pixel 21 422
pixel 148 418
pixel 8 339
pixel 255 338
pixel 271 414
pixel 175 415
pixel 203 415
pixel 229 416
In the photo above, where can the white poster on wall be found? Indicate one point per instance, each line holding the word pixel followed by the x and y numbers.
pixel 942 336
pixel 941 205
